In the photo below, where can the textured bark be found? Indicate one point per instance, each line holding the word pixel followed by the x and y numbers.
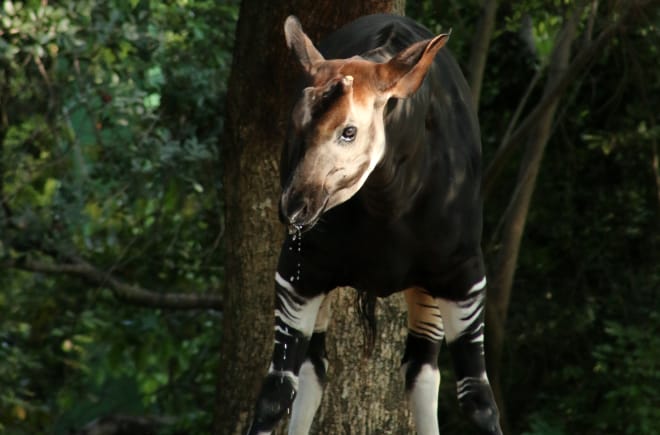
pixel 258 104
pixel 365 396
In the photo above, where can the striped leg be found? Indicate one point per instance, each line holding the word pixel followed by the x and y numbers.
pixel 464 325
pixel 420 360
pixel 312 375
pixel 295 316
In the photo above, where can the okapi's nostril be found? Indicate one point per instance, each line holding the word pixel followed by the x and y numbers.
pixel 298 215
pixel 295 207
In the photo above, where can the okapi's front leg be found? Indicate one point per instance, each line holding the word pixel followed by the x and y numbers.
pixel 295 316
pixel 420 360
pixel 312 375
pixel 464 326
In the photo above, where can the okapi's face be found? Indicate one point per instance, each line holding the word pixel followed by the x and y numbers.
pixel 338 121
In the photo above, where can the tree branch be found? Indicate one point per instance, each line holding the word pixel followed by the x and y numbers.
pixel 118 424
pixel 479 51
pixel 130 293
pixel 579 63
pixel 516 215
pixel 5 211
pixel 593 13
pixel 522 104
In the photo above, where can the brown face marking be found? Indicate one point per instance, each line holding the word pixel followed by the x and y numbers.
pixel 334 167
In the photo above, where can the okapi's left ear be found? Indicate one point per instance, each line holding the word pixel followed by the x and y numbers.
pixel 302 46
pixel 405 72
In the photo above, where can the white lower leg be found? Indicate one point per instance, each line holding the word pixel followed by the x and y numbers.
pixel 310 387
pixel 307 400
pixel 424 400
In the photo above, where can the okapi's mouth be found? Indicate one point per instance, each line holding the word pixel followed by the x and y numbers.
pixel 301 213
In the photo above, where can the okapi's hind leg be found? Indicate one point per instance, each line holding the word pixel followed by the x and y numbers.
pixel 464 326
pixel 420 360
pixel 295 316
pixel 312 375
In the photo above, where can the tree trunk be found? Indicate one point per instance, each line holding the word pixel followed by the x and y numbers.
pixel 258 105
pixel 479 49
pixel 365 395
pixel 506 258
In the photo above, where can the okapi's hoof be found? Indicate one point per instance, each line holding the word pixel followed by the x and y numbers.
pixel 275 399
pixel 479 405
pixel 487 420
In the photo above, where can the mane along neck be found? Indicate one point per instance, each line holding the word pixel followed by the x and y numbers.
pixel 390 190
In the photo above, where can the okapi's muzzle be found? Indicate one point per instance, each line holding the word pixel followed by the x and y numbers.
pixel 301 210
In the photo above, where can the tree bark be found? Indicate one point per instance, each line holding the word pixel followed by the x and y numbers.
pixel 258 104
pixel 365 395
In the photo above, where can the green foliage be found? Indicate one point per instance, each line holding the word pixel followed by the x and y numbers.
pixel 581 354
pixel 628 364
pixel 110 114
pixel 438 17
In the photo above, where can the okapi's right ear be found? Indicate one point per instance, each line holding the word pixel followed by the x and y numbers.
pixel 302 46
pixel 405 72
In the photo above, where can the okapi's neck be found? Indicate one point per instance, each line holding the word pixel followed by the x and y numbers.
pixel 392 187
pixel 390 190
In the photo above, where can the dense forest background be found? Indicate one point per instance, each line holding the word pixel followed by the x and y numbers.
pixel 112 223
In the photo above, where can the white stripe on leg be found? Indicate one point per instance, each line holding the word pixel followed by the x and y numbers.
pixel 295 311
pixel 462 317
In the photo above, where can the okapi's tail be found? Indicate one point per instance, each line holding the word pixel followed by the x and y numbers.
pixel 366 307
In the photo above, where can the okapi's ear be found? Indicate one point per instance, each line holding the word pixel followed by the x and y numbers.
pixel 302 46
pixel 405 72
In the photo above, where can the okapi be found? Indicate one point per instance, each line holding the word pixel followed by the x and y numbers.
pixel 380 177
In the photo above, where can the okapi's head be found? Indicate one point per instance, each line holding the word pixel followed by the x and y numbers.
pixel 338 121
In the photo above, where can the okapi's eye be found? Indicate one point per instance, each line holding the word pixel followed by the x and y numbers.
pixel 349 133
